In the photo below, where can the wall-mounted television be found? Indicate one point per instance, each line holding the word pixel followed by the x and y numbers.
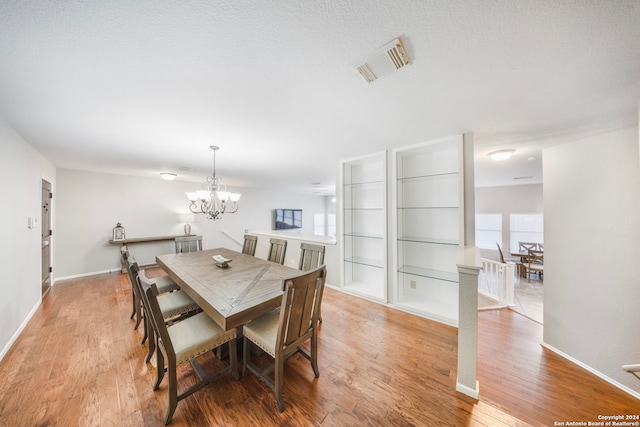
pixel 285 219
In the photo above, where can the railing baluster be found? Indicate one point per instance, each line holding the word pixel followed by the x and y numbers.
pixel 497 281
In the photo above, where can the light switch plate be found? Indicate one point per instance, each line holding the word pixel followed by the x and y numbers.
pixel 32 222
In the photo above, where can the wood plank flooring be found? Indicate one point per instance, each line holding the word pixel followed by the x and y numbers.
pixel 80 363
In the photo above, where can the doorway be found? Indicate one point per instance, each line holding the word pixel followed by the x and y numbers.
pixel 46 236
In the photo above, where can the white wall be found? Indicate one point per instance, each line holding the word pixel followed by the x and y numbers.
pixel 90 204
pixel 507 200
pixel 22 169
pixel 292 258
pixel 592 253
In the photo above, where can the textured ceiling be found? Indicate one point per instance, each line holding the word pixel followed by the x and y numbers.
pixel 142 87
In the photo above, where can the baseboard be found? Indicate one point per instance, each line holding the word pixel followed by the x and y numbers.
pixel 593 371
pixel 20 329
pixel 95 273
pixel 468 390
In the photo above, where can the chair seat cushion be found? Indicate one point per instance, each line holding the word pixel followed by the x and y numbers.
pixel 197 335
pixel 165 284
pixel 535 267
pixel 175 303
pixel 263 331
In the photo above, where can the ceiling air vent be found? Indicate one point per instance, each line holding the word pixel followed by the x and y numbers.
pixel 388 58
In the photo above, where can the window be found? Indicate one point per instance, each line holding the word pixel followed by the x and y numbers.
pixel 320 228
pixel 331 224
pixel 318 224
pixel 488 230
pixel 526 228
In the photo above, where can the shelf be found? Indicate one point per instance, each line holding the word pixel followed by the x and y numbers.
pixel 400 208
pixel 434 310
pixel 364 226
pixel 377 263
pixel 147 239
pixel 359 184
pixel 365 290
pixel 428 176
pixel 432 274
pixel 432 240
pixel 364 236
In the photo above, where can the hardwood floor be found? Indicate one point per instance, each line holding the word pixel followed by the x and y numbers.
pixel 528 296
pixel 79 362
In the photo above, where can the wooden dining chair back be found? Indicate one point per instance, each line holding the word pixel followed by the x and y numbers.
pixel 534 263
pixel 164 284
pixel 311 256
pixel 184 342
pixel 132 271
pixel 174 306
pixel 277 250
pixel 185 244
pixel 501 254
pixel 250 243
pixel 282 333
pixel 516 262
pixel 525 246
pixel 124 260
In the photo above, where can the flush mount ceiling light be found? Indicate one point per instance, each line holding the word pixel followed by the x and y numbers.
pixel 385 60
pixel 168 176
pixel 501 154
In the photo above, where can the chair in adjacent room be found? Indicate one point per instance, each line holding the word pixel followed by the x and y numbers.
pixel 185 244
pixel 525 246
pixel 277 250
pixel 515 261
pixel 174 306
pixel 281 333
pixel 250 243
pixel 534 263
pixel 184 342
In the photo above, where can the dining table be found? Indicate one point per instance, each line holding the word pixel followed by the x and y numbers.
pixel 524 258
pixel 523 255
pixel 233 295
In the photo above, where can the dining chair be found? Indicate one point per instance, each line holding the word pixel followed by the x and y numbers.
pixel 277 250
pixel 514 261
pixel 250 243
pixel 174 306
pixel 525 246
pixel 164 284
pixel 281 333
pixel 311 256
pixel 534 263
pixel 184 342
pixel 185 244
pixel 124 258
pixel 541 246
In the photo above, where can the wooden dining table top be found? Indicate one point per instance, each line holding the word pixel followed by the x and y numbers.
pixel 524 256
pixel 231 296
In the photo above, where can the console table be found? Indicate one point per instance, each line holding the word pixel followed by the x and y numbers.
pixel 150 239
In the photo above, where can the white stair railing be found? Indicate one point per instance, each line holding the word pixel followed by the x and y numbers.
pixel 232 238
pixel 496 282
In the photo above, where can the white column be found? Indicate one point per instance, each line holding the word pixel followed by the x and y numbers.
pixel 469 266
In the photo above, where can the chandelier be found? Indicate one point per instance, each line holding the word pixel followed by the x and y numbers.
pixel 214 199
